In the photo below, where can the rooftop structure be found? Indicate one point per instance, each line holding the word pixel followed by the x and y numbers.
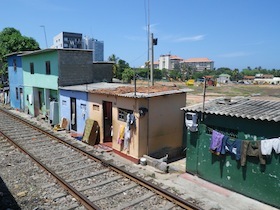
pixel 240 107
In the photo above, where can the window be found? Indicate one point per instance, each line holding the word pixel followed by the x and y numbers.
pixel 123 113
pixel 31 68
pixel 95 107
pixel 15 64
pixel 48 67
pixel 16 93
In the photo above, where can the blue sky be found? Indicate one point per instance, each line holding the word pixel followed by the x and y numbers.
pixel 232 33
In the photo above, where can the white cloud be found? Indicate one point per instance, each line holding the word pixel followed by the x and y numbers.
pixel 189 39
pixel 235 54
pixel 152 28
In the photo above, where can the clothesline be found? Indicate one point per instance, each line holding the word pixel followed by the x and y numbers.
pixel 232 135
pixel 220 144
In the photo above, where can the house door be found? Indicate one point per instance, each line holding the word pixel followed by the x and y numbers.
pixel 107 120
pixel 73 112
pixel 21 98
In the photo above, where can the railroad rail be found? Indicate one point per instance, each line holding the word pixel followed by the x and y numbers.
pixel 96 182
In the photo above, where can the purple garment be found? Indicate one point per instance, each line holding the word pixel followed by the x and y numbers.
pixel 216 141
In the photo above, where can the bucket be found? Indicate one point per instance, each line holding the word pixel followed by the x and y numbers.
pixel 143 161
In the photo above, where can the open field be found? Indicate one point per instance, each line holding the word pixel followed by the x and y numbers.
pixel 264 92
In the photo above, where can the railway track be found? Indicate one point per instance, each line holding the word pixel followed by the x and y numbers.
pixel 93 181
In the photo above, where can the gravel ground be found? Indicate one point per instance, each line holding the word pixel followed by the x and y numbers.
pixel 26 186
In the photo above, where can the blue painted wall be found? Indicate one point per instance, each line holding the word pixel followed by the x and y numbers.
pixel 81 102
pixel 15 80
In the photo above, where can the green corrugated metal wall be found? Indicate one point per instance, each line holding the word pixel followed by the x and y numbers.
pixel 261 182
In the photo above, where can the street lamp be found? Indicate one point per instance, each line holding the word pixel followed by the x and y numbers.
pixel 45 35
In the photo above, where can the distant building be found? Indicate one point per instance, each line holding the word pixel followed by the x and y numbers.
pixel 67 40
pixel 96 46
pixel 223 78
pixel 199 64
pixel 264 76
pixel 156 65
pixel 169 62
pixel 172 62
pixel 76 40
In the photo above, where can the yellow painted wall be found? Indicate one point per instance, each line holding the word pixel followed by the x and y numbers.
pixel 161 127
pixel 165 121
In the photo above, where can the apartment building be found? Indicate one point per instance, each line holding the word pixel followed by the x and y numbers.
pixel 96 46
pixel 199 64
pixel 169 61
pixel 76 40
pixel 67 40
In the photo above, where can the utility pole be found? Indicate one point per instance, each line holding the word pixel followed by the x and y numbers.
pixel 152 59
pixel 45 35
pixel 148 31
pixel 152 43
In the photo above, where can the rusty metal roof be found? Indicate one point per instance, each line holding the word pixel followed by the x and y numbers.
pixel 241 107
pixel 126 90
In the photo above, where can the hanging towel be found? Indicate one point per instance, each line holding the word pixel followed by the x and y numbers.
pixel 268 144
pixel 126 137
pixel 276 145
pixel 253 149
pixel 120 134
pixel 216 142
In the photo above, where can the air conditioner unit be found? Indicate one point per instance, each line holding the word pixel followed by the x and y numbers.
pixel 191 121
pixel 53 118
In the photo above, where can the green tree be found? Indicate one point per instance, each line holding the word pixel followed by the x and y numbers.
pixel 11 40
pixel 114 59
pixel 121 66
pixel 157 74
pixel 127 75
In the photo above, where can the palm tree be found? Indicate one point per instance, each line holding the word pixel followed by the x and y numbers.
pixel 115 60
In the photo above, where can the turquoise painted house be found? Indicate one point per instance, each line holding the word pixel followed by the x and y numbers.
pixel 45 70
pixel 248 164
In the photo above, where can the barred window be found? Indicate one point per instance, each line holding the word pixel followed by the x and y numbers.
pixel 123 113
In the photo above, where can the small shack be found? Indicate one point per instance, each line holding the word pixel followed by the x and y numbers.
pixel 234 143
pixel 140 121
pixel 132 121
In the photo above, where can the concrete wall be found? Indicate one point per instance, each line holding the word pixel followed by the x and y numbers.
pixel 75 67
pixel 102 72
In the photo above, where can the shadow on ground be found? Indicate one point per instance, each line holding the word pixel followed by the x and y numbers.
pixel 7 201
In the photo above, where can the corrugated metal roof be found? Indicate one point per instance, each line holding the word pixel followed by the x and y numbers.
pixel 240 107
